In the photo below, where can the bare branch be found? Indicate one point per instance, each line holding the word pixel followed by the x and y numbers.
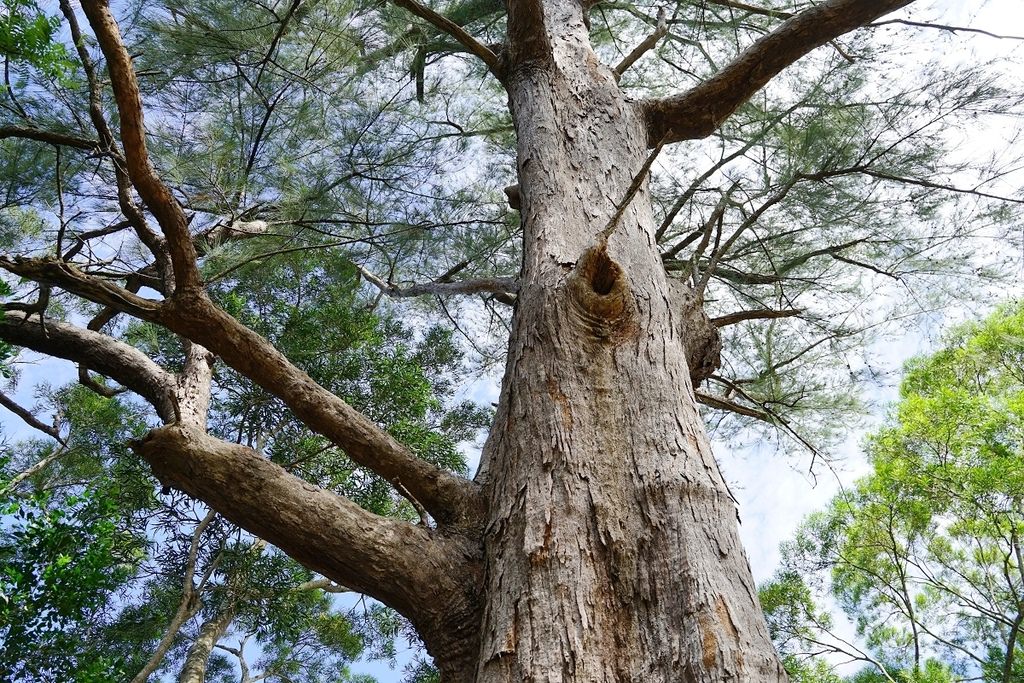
pixel 640 50
pixel 35 468
pixel 92 385
pixel 764 314
pixel 698 112
pixel 946 27
pixel 722 403
pixel 704 230
pixel 492 285
pixel 750 220
pixel 48 136
pixel 455 31
pixel 697 182
pixel 325 585
pixel 744 7
pixel 919 182
pixel 29 419
pixel 634 187
pixel 116 360
pixel 424 518
pixel 154 192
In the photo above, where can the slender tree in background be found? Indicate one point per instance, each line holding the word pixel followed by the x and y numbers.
pixel 924 555
pixel 167 174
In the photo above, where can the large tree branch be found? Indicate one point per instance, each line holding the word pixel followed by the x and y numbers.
pixel 125 199
pixel 449 498
pixel 418 572
pixel 779 14
pixel 53 271
pixel 197 659
pixel 698 112
pixel 48 136
pixel 116 360
pixel 154 192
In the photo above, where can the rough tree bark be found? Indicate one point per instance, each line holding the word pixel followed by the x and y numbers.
pixel 599 541
pixel 612 547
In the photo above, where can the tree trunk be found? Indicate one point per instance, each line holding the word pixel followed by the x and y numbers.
pixel 599 542
pixel 210 633
pixel 612 548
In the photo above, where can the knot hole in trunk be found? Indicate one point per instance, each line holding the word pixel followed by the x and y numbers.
pixel 600 292
pixel 603 272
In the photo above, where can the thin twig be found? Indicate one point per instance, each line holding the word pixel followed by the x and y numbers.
pixel 631 191
pixel 493 285
pixel 420 510
pixel 648 43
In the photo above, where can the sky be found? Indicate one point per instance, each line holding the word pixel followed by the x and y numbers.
pixel 775 492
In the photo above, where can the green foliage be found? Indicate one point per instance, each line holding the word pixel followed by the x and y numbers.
pixel 28 35
pixel 62 564
pixel 348 132
pixel 401 380
pixel 924 554
pixel 73 544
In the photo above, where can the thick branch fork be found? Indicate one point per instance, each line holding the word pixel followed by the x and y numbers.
pixel 448 497
pixel 698 112
pixel 431 578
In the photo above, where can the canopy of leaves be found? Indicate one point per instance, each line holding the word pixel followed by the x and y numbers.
pixel 924 555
